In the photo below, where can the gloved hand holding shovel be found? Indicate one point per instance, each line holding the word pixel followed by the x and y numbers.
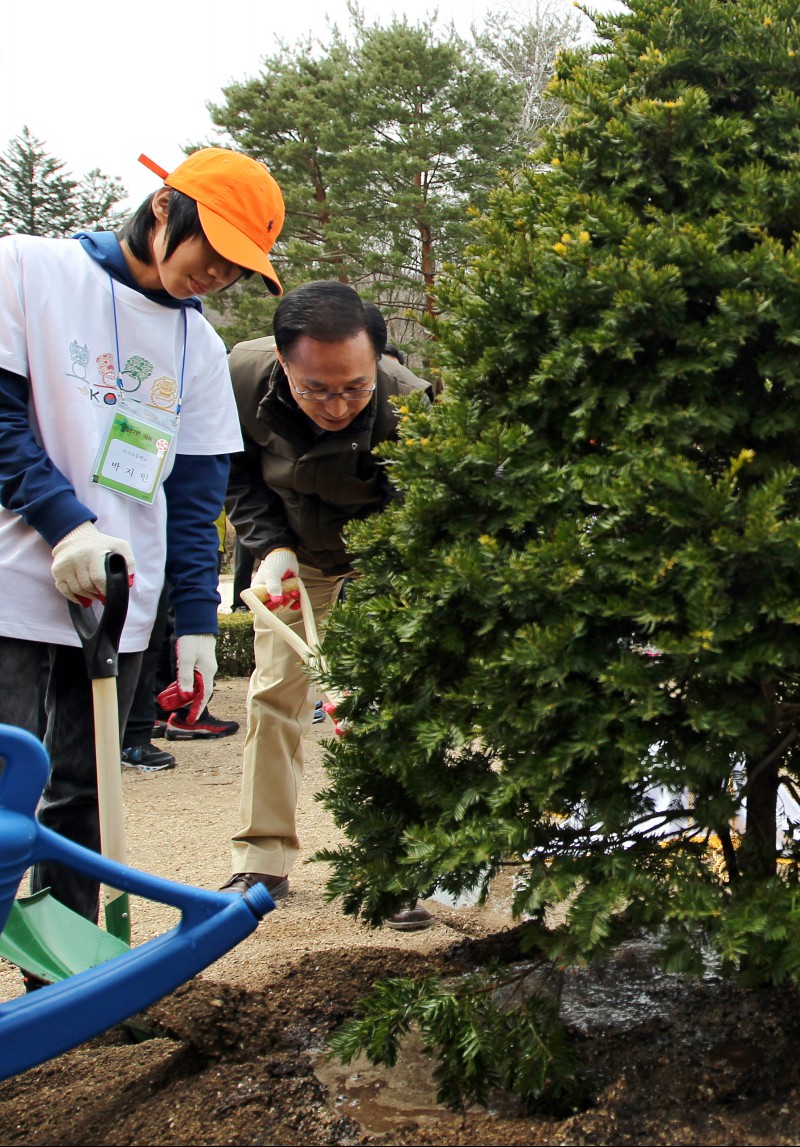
pixel 307 650
pixel 276 580
pixel 79 563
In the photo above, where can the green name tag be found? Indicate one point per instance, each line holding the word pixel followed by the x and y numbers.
pixel 132 456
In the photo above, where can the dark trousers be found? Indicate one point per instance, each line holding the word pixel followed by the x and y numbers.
pixel 243 563
pixel 156 666
pixel 69 801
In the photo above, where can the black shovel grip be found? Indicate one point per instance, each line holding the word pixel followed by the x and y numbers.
pixel 100 637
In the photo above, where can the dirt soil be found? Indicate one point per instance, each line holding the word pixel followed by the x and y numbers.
pixel 237 1054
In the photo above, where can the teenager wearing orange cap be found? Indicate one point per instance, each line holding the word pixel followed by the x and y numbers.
pixel 117 420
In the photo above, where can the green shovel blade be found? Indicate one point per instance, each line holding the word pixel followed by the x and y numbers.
pixel 118 917
pixel 45 938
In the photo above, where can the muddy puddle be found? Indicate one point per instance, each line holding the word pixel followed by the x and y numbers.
pixel 383 1100
pixel 629 992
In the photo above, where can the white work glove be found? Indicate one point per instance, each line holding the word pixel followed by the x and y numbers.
pixel 275 582
pixel 79 563
pixel 196 654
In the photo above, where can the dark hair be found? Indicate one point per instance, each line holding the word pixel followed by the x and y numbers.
pixel 395 352
pixel 183 222
pixel 327 312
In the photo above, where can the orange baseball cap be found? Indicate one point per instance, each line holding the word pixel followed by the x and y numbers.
pixel 239 203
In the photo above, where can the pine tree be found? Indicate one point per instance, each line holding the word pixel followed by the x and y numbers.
pixel 574 648
pixel 382 142
pixel 39 197
pixel 294 117
pixel 96 199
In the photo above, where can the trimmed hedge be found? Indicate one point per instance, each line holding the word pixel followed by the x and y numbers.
pixel 235 645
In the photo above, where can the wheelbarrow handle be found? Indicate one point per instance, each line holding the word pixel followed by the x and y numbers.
pixel 100 636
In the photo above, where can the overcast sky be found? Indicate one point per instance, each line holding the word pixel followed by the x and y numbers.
pixel 100 81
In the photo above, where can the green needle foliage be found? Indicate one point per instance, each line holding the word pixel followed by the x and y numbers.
pixel 39 197
pixel 574 647
pixel 481 1040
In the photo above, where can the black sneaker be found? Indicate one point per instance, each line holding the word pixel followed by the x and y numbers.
pixel 319 714
pixel 204 728
pixel 159 722
pixel 147 759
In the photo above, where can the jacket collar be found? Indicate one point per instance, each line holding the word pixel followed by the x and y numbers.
pixel 104 248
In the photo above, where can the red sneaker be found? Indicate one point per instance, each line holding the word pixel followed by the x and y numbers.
pixel 204 728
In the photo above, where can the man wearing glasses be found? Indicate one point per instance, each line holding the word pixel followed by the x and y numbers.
pixel 313 403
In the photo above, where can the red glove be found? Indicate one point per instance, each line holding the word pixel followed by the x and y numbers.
pixel 197 664
pixel 339 727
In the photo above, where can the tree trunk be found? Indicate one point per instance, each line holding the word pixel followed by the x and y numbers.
pixel 758 852
pixel 428 265
pixel 324 215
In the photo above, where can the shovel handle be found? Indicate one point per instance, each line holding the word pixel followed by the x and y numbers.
pixel 100 636
pixel 308 650
pixel 100 640
pixel 301 647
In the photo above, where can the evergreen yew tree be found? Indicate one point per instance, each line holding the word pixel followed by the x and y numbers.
pixel 574 647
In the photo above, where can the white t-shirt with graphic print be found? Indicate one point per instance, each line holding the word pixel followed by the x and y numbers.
pixel 57 329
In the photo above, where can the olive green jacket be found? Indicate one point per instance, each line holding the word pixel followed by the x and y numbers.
pixel 298 486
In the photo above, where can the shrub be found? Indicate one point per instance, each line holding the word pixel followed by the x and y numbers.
pixel 574 647
pixel 235 645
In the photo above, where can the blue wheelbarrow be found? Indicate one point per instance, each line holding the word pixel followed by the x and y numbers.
pixel 95 979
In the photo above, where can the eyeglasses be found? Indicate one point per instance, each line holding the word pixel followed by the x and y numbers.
pixel 354 395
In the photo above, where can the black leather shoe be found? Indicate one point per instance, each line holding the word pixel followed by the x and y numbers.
pixel 277 886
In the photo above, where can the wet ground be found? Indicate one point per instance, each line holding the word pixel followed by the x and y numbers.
pixel 237 1054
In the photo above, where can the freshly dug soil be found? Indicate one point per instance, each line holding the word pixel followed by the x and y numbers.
pixel 236 1056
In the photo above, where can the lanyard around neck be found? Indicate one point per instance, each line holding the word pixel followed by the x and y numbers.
pixel 119 357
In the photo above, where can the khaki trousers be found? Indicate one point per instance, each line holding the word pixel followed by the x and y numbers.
pixel 280 706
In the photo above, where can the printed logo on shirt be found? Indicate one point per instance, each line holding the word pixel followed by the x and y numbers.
pixel 105 368
pixel 79 360
pixel 101 397
pixel 163 394
pixel 135 371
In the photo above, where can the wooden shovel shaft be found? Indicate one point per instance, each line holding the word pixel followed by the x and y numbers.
pixel 109 797
pixel 100 637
